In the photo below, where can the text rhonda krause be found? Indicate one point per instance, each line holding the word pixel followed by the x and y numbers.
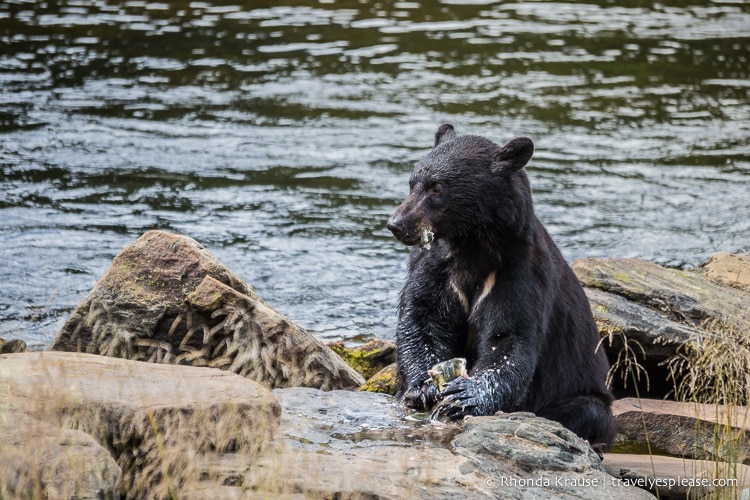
pixel 650 483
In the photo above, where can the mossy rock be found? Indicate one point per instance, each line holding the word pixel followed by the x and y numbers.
pixel 385 381
pixel 367 359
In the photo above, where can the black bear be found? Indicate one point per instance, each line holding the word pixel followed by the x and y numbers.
pixel 487 283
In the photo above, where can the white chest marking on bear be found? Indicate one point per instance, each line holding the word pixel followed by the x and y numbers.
pixel 461 296
pixel 489 283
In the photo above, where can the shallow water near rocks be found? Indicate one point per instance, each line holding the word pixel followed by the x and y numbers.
pixel 281 135
pixel 316 421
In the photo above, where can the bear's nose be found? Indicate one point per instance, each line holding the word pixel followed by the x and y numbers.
pixel 395 227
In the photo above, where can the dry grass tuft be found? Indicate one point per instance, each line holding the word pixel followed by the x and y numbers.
pixel 715 369
pixel 626 366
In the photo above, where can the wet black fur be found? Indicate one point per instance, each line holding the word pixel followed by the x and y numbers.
pixel 531 343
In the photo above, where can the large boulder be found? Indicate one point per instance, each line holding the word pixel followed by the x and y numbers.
pixel 684 333
pixel 680 295
pixel 167 299
pixel 159 422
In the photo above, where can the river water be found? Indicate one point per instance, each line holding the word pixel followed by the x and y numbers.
pixel 280 134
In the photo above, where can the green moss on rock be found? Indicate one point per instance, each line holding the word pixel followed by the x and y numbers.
pixel 385 381
pixel 368 359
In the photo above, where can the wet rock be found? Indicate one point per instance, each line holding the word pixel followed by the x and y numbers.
pixel 167 299
pixel 362 445
pixel 313 419
pixel 679 478
pixel 690 430
pixel 385 381
pixel 158 422
pixel 40 460
pixel 367 359
pixel 532 443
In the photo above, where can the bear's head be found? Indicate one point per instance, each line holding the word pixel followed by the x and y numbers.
pixel 467 185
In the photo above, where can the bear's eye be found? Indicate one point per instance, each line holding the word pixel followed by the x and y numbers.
pixel 434 188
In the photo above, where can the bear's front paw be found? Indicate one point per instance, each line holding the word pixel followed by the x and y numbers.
pixel 423 397
pixel 461 397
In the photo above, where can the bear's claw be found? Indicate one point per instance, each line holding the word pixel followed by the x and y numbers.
pixel 460 398
pixel 422 398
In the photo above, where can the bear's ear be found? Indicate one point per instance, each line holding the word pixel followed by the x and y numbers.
pixel 514 155
pixel 445 133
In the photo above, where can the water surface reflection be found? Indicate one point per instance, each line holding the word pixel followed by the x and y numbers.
pixel 281 136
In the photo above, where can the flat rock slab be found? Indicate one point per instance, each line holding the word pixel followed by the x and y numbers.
pixel 153 419
pixel 736 416
pixel 167 299
pixel 670 477
pixel 681 295
pixel 696 431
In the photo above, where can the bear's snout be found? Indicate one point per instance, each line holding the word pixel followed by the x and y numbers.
pixel 396 226
pixel 403 230
pixel 409 222
pixel 410 232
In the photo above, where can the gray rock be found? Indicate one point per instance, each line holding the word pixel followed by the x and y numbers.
pixel 671 330
pixel 617 317
pixel 341 444
pixel 532 443
pixel 167 299
pixel 682 296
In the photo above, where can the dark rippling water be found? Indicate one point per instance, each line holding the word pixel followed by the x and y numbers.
pixel 280 134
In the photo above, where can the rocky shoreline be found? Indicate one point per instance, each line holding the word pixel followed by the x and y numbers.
pixel 239 402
